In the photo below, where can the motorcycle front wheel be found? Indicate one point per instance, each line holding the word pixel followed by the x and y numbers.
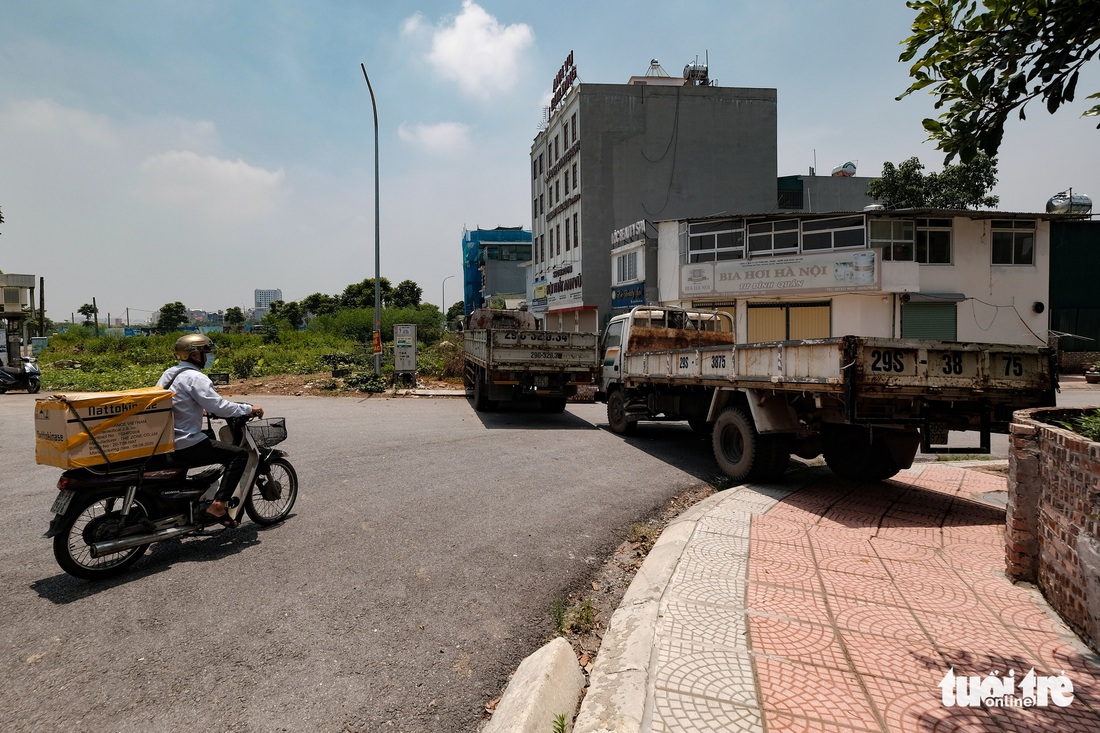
pixel 94 518
pixel 33 385
pixel 270 503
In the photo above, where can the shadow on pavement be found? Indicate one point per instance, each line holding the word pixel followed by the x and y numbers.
pixel 211 545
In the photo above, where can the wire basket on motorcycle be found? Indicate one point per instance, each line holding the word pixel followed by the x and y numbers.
pixel 268 431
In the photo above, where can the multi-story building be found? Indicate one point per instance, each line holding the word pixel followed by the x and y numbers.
pixel 264 299
pixel 493 264
pixel 610 155
pixel 949 275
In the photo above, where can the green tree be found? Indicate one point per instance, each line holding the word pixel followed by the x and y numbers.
pixel 407 295
pixel 320 304
pixel 89 312
pixel 234 318
pixel 361 295
pixel 959 186
pixel 985 60
pixel 455 313
pixel 171 316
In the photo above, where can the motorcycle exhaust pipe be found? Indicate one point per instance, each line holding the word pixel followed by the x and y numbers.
pixel 99 549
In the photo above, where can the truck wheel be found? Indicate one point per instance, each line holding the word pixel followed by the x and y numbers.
pixel 852 453
pixel 617 416
pixel 482 403
pixel 736 443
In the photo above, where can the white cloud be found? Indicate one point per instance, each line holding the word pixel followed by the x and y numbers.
pixel 447 138
pixel 211 187
pixel 476 51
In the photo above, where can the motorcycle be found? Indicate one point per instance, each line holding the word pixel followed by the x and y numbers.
pixel 26 376
pixel 105 517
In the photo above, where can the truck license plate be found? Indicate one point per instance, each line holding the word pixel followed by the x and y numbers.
pixel 542 382
pixel 61 503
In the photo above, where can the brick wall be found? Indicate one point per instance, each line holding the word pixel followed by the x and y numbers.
pixel 1052 534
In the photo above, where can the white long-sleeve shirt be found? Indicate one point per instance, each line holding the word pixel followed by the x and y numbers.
pixel 194 392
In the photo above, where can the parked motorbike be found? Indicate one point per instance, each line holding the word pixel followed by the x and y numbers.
pixel 26 376
pixel 107 516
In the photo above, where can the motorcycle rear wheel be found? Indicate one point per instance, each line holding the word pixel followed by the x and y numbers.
pixel 94 518
pixel 264 511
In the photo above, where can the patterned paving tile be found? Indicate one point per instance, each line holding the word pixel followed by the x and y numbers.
pixel 783 602
pixel 729 524
pixel 925 536
pixel 720 592
pixel 860 565
pixel 688 623
pixel 907 709
pixel 890 549
pixel 906 662
pixel 814 692
pixel 778 722
pixel 932 593
pixel 885 622
pixel 694 569
pixel 867 590
pixel 765 527
pixel 674 712
pixel 1046 719
pixel 974 554
pixel 1025 614
pixel 797 641
pixel 779 569
pixel 709 673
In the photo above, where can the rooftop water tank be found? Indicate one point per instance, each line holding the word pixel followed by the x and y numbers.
pixel 1065 203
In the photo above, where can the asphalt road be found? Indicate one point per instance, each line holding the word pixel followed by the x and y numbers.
pixel 418 569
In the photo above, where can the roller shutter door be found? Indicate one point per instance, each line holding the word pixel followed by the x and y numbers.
pixel 936 321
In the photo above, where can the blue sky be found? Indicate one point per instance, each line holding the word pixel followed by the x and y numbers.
pixel 160 151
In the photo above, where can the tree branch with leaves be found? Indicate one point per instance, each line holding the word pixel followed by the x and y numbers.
pixel 984 61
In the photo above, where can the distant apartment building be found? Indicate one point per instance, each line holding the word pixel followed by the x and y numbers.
pixel 493 265
pixel 612 155
pixel 264 299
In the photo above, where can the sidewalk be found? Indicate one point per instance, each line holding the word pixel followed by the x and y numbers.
pixel 826 605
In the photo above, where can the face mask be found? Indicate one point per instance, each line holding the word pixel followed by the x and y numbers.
pixel 209 361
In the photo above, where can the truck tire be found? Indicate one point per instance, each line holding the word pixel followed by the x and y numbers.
pixel 852 453
pixel 617 416
pixel 736 443
pixel 481 401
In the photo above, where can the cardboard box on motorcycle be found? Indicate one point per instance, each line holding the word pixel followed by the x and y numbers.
pixel 77 429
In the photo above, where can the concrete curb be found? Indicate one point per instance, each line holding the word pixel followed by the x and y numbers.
pixel 616 698
pixel 547 684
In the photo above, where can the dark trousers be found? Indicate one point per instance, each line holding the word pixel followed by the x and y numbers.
pixel 210 452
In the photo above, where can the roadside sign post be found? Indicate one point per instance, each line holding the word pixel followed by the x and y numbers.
pixel 404 352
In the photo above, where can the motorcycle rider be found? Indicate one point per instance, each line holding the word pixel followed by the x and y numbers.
pixel 194 393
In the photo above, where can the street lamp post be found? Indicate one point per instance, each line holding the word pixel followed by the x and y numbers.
pixel 443 298
pixel 377 260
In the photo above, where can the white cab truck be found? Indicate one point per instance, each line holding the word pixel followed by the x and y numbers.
pixel 866 404
pixel 508 360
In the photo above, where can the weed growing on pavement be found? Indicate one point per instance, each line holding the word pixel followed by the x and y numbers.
pixel 557 613
pixel 581 619
pixel 559 724
pixel 644 535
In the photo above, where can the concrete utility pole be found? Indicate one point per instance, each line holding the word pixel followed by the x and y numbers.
pixel 377 260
